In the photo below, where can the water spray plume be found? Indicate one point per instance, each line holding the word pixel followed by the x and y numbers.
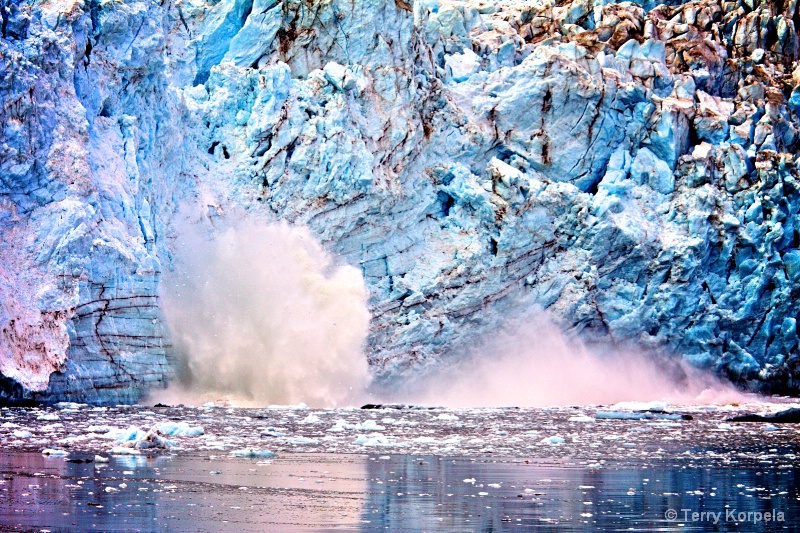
pixel 531 362
pixel 260 313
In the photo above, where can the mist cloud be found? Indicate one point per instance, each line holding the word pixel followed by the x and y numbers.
pixel 260 313
pixel 531 363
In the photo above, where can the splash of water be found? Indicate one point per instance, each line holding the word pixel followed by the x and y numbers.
pixel 532 363
pixel 260 314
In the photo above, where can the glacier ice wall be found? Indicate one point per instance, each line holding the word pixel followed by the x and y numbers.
pixel 629 167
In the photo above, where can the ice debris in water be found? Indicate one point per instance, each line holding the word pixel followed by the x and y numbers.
pixel 619 415
pixel 122 450
pixel 500 432
pixel 302 441
pixel 367 425
pixel 251 452
pixel 70 406
pixel 134 437
pixel 179 429
pixel 376 439
pixel 52 452
pixel 272 432
pixel 131 434
pixel 310 419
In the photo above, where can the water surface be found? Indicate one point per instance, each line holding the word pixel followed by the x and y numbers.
pixel 380 493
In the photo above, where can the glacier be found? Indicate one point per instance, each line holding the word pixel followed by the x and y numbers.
pixel 629 167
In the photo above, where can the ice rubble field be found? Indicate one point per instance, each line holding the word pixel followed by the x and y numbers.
pixel 589 436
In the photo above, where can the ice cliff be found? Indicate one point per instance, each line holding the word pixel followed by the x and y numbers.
pixel 629 167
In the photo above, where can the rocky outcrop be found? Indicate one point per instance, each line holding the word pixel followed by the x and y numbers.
pixel 628 167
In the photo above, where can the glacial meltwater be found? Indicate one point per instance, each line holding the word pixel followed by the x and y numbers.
pixel 628 467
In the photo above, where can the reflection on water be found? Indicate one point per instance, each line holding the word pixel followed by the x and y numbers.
pixel 382 493
pixel 430 493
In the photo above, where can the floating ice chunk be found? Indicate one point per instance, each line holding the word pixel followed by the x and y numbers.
pixel 553 441
pixel 48 416
pixel 251 452
pixel 10 425
pixel 111 489
pixel 179 429
pixel 376 439
pixel 122 450
pixel 53 452
pixel 446 417
pixel 152 440
pixel 362 439
pixel 581 418
pixel 310 419
pixel 494 485
pixel 621 415
pixel 662 424
pixel 470 480
pixel 100 459
pixel 339 426
pixel 22 434
pixel 303 441
pixel 425 440
pixel 639 406
pixel 368 425
pixel 100 429
pixel 131 434
pixel 73 439
pixel 72 406
pixel 402 422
